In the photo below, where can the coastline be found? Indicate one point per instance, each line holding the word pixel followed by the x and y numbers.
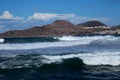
pixel 64 28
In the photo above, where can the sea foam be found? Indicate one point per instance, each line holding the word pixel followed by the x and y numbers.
pixel 91 38
pixel 97 58
pixel 104 58
pixel 1 40
pixel 64 42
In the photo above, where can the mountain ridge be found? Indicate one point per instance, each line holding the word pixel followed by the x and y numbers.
pixel 91 24
pixel 62 28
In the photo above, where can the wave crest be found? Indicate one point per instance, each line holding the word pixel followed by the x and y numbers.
pixel 2 40
pixel 36 60
pixel 68 41
pixel 91 38
pixel 103 58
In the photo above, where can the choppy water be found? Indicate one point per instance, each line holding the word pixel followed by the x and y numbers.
pixel 56 58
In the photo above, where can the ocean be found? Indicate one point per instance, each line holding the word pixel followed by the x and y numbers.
pixel 60 58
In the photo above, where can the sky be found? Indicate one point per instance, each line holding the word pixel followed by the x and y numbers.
pixel 22 14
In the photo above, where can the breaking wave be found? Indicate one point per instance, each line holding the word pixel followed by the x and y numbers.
pixel 89 38
pixel 35 60
pixel 26 46
pixel 63 42
pixel 104 58
pixel 1 40
pixel 91 57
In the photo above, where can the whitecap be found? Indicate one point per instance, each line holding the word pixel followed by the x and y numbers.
pixel 1 40
pixel 64 42
pixel 98 58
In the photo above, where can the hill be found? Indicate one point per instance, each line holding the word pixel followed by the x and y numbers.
pixel 63 28
pixel 91 24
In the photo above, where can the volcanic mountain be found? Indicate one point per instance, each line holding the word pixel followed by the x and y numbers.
pixel 61 28
pixel 91 24
pixel 57 28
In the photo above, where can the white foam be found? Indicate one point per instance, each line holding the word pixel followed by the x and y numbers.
pixel 105 58
pixel 68 38
pixel 1 40
pixel 73 38
pixel 72 41
pixel 26 46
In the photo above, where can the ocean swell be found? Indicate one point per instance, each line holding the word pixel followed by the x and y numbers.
pixel 63 42
pixel 36 60
pixel 91 38
pixel 104 58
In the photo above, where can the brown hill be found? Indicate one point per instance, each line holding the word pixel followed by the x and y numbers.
pixel 62 28
pixel 57 28
pixel 91 24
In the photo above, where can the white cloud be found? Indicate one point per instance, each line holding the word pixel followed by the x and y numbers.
pixel 48 16
pixel 8 21
pixel 70 17
pixel 8 15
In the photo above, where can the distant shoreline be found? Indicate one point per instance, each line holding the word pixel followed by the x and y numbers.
pixel 64 28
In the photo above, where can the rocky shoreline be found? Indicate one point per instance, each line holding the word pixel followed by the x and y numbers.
pixel 64 28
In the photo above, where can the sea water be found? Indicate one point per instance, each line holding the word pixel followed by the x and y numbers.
pixel 60 58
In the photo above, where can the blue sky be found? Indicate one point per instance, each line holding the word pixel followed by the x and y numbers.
pixel 21 14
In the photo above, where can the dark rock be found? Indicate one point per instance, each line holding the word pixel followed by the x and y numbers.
pixel 91 24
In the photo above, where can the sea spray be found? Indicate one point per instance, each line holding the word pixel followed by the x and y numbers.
pixel 36 60
pixel 63 42
pixel 1 40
